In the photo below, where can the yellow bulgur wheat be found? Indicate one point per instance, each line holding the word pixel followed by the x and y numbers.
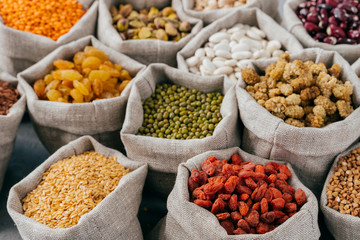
pixel 71 188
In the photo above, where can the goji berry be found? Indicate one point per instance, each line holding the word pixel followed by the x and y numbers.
pixel 192 185
pixel 249 166
pixel 219 166
pixel 249 202
pixel 243 189
pixel 291 214
pixel 235 216
pixel 244 225
pixel 208 167
pixel 259 176
pixel 275 192
pixel 199 194
pixel 261 182
pixel 272 178
pixel 212 188
pixel 252 231
pixel 250 183
pixel 224 197
pixel 212 159
pixel 252 218
pixel 271 227
pixel 284 169
pixel 300 197
pixel 233 204
pixel 278 214
pixel 264 207
pixel 267 217
pixel 218 206
pixel 262 228
pixel 244 196
pixel 282 219
pixel 227 170
pixel 277 203
pixel 218 179
pixel 243 208
pixel 223 216
pixel 271 185
pixel 259 169
pixel 269 169
pixel 231 183
pixel 268 195
pixel 287 197
pixel 254 193
pixel 261 192
pixel 245 174
pixel 203 203
pixel 256 206
pixel 239 231
pixel 237 169
pixel 275 165
pixel 236 159
pixel 228 226
pixel 282 176
pixel 290 207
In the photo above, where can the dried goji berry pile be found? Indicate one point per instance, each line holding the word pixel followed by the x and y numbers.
pixel 245 197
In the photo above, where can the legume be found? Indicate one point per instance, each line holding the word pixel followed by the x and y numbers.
pixel 8 97
pixel 206 5
pixel 175 112
pixel 71 188
pixel 49 18
pixel 343 191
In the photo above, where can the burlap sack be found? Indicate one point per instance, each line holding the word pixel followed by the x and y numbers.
pixel 164 155
pixel 59 123
pixel 268 6
pixel 186 220
pixel 356 67
pixel 114 218
pixel 293 24
pixel 19 50
pixel 9 125
pixel 309 150
pixel 253 17
pixel 145 51
pixel 341 226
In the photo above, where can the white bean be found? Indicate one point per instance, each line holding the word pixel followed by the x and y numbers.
pixel 253 35
pixel 240 47
pixel 209 65
pixel 192 61
pixel 217 37
pixel 251 43
pixel 222 46
pixel 209 52
pixel 237 36
pixel 273 45
pixel 200 53
pixel 223 70
pixel 230 63
pixel 222 53
pixel 218 63
pixel 261 54
pixel 277 53
pixel 241 55
pixel 258 32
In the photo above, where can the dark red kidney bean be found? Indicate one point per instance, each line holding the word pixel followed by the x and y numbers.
pixel 320 2
pixel 343 25
pixel 311 27
pixel 324 14
pixel 323 24
pixel 313 17
pixel 313 9
pixel 332 20
pixel 349 8
pixel 354 18
pixel 340 14
pixel 335 31
pixel 320 36
pixel 304 12
pixel 346 41
pixel 324 6
pixel 332 3
pixel 330 40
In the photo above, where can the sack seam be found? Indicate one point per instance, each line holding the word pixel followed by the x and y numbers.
pixel 312 221
pixel 274 139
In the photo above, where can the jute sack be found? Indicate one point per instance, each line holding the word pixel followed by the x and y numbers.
pixel 253 17
pixel 186 220
pixel 294 25
pixel 58 123
pixel 309 150
pixel 19 50
pixel 164 155
pixel 208 17
pixel 356 67
pixel 115 217
pixel 9 125
pixel 341 226
pixel 145 51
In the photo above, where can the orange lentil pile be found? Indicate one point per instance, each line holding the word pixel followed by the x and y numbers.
pixel 49 18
